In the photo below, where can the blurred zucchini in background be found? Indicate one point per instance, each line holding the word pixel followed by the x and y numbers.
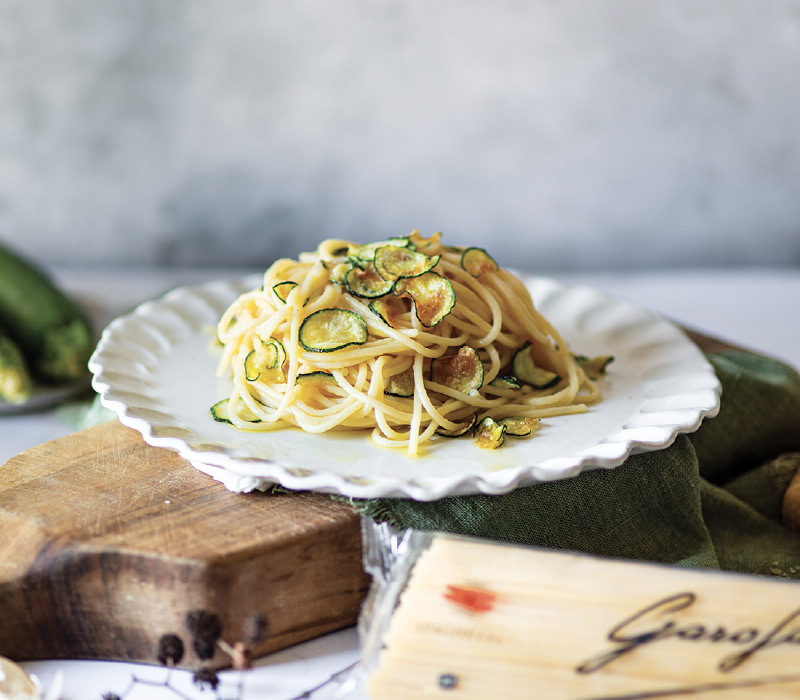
pixel 15 381
pixel 53 335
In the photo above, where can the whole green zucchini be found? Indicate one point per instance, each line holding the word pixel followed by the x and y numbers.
pixel 15 381
pixel 54 335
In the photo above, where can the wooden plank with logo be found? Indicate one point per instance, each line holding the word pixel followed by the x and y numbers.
pixel 480 620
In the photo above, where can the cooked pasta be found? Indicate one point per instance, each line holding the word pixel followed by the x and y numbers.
pixel 407 338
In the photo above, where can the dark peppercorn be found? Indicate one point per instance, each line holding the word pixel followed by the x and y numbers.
pixel 170 650
pixel 206 676
pixel 205 629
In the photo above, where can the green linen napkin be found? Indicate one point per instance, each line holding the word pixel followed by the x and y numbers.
pixel 712 499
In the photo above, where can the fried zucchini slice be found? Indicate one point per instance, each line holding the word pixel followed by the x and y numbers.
pixel 269 356
pixel 418 242
pixel 365 253
pixel 476 261
pixel 594 367
pixel 468 427
pixel 517 426
pixel 366 282
pixel 282 289
pixel 401 384
pixel 318 377
pixel 381 308
pixel 254 364
pixel 462 372
pixel 489 434
pixel 327 330
pixel 339 272
pixel 393 262
pixel 219 412
pixel 505 382
pixel 432 294
pixel 526 370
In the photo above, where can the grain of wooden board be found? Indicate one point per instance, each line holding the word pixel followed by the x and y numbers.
pixel 106 544
pixel 481 620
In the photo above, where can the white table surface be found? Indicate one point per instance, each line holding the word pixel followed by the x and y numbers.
pixel 755 308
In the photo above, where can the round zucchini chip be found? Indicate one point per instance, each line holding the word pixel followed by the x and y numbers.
pixel 505 382
pixel 418 242
pixel 367 283
pixel 365 253
pixel 526 370
pixel 401 384
pixel 282 289
pixel 254 364
pixel 338 272
pixel 463 430
pixel 387 313
pixel 594 367
pixel 269 356
pixel 393 262
pixel 476 261
pixel 432 294
pixel 517 426
pixel 219 412
pixel 462 372
pixel 327 330
pixel 316 379
pixel 489 435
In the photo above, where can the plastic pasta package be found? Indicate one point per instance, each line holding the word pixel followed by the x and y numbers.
pixel 471 619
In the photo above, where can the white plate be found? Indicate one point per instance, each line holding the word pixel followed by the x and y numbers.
pixel 153 368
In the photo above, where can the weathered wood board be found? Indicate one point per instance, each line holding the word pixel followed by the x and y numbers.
pixel 482 620
pixel 107 543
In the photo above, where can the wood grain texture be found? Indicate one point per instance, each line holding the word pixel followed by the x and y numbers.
pixel 107 543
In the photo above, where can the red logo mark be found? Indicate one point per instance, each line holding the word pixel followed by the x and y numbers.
pixel 471 598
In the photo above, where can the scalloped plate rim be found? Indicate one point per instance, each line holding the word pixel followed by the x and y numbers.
pixel 240 474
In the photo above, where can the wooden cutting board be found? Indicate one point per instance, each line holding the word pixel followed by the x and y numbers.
pixel 107 544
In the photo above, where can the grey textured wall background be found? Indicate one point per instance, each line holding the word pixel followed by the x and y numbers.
pixel 560 134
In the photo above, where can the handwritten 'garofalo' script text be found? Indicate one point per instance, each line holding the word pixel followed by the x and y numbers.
pixel 654 624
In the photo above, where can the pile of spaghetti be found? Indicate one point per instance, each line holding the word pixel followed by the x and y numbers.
pixel 407 338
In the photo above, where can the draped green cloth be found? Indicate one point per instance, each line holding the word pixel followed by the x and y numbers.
pixel 711 499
